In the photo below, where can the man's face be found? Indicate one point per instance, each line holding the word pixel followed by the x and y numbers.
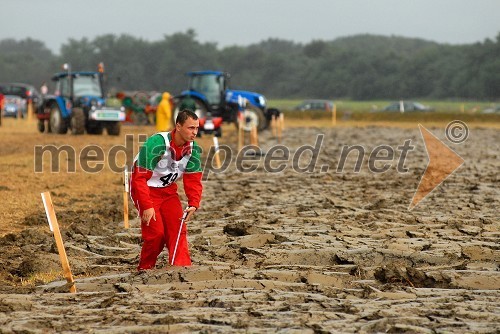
pixel 188 130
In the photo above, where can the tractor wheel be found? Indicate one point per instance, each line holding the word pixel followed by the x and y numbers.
pixel 253 116
pixel 113 128
pixel 94 128
pixel 41 126
pixel 77 122
pixel 57 123
pixel 201 110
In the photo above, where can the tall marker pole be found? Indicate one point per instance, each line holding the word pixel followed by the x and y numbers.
pixel 241 134
pixel 54 227
pixel 125 197
pixel 217 155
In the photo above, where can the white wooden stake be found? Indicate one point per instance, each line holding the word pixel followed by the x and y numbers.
pixel 241 134
pixel 282 121
pixel 125 198
pixel 217 156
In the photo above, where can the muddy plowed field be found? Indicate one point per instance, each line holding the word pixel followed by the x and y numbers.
pixel 307 249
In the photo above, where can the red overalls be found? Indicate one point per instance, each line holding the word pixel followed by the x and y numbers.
pixel 168 210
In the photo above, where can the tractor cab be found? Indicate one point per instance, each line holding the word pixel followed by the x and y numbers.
pixel 209 85
pixel 84 88
pixel 207 94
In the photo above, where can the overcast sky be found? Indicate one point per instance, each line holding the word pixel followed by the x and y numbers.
pixel 238 22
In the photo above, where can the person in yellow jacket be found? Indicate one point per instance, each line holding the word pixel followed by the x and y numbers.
pixel 164 113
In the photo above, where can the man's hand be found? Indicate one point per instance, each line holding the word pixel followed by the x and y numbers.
pixel 147 215
pixel 190 210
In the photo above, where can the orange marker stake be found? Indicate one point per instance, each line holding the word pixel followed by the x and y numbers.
pixel 282 121
pixel 334 115
pixel 54 227
pixel 254 137
pixel 279 126
pixel 274 126
pixel 30 110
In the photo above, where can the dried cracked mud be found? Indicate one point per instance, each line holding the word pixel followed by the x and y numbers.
pixel 296 252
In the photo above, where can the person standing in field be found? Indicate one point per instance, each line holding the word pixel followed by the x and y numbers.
pixel 164 113
pixel 44 90
pixel 164 159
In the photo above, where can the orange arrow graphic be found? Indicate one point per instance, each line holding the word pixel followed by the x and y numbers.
pixel 443 161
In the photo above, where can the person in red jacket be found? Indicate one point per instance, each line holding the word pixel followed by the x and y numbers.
pixel 164 159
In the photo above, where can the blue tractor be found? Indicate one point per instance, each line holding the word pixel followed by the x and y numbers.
pixel 213 98
pixel 79 104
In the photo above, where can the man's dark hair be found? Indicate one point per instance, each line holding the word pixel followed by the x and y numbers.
pixel 184 115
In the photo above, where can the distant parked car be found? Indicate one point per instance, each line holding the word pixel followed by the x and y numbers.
pixel 13 105
pixel 405 106
pixel 492 110
pixel 324 105
pixel 24 91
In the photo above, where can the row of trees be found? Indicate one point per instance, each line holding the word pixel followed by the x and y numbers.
pixel 360 67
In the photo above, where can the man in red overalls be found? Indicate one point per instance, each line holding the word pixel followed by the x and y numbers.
pixel 165 158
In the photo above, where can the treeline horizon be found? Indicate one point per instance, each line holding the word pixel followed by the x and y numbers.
pixel 360 67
